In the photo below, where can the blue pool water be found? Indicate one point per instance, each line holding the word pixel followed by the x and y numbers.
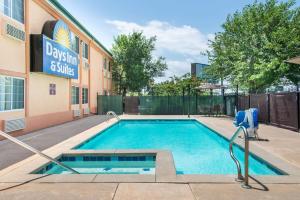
pixel 103 168
pixel 98 164
pixel 195 148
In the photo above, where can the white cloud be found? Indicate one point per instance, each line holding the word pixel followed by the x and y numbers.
pixel 176 67
pixel 185 42
pixel 180 39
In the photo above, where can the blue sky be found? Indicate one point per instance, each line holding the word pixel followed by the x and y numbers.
pixel 182 27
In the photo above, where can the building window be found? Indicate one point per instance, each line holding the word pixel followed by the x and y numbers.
pixel 85 50
pixel 105 63
pixel 85 94
pixel 75 95
pixel 11 93
pixel 13 9
pixel 109 66
pixel 74 43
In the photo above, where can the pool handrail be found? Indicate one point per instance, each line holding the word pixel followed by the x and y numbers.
pixel 30 148
pixel 114 114
pixel 240 177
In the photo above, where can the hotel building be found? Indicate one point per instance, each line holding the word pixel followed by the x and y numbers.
pixel 51 66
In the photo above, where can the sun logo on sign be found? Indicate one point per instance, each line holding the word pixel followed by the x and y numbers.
pixel 61 34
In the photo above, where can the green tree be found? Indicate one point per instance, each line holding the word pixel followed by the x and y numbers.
pixel 255 43
pixel 134 66
pixel 176 85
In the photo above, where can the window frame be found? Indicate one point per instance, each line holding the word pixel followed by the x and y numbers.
pixel 85 95
pixel 85 50
pixel 109 66
pixel 77 99
pixel 105 63
pixel 11 12
pixel 24 100
pixel 78 45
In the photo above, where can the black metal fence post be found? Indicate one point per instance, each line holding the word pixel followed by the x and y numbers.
pixel 269 107
pixel 189 101
pixel 298 114
pixel 237 98
pixel 249 100
pixel 168 104
pixel 224 100
pixel 211 99
pixel 196 103
pixel 183 102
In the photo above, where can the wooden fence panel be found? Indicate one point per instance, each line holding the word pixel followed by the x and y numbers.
pixel 132 105
pixel 243 102
pixel 260 101
pixel 284 110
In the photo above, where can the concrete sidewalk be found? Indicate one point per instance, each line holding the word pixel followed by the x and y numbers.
pixel 11 153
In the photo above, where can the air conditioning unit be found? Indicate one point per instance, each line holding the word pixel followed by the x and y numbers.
pixel 14 32
pixel 76 113
pixel 86 111
pixel 86 65
pixel 14 125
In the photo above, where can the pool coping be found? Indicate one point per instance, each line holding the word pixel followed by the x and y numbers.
pixel 165 171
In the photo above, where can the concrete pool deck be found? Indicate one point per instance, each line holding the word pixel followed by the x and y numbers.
pixel 282 150
pixel 10 153
pixel 148 191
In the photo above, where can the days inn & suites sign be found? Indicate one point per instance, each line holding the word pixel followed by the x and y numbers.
pixel 50 51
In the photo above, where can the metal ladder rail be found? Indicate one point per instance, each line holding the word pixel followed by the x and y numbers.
pixel 114 114
pixel 240 177
pixel 26 146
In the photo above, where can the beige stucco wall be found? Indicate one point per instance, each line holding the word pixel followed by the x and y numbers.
pixel 109 84
pixel 12 59
pixel 85 76
pixel 12 51
pixel 96 76
pixel 37 17
pixel 105 86
pixel 76 81
pixel 40 101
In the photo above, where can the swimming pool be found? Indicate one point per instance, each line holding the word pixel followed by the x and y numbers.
pixel 196 149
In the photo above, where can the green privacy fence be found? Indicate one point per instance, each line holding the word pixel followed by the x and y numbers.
pixel 167 105
pixel 109 103
pixel 160 105
pixel 179 105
